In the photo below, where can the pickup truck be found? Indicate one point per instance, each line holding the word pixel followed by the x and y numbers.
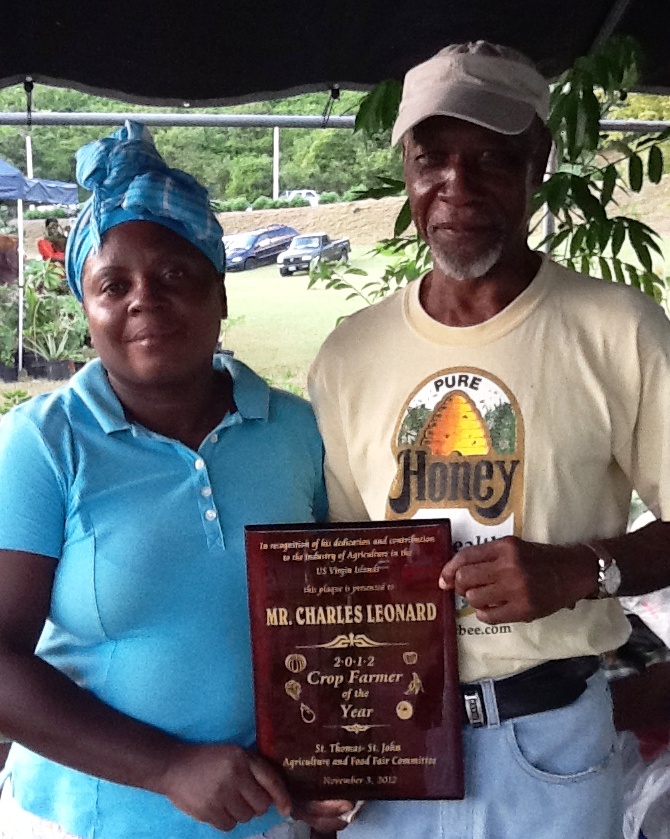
pixel 303 249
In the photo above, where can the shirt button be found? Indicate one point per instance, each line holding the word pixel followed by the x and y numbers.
pixel 210 515
pixel 199 463
pixel 214 438
pixel 206 492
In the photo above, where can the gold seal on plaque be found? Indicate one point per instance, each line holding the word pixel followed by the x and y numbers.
pixel 306 713
pixel 295 662
pixel 293 689
pixel 404 710
pixel 415 686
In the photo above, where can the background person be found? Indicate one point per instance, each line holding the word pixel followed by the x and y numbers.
pixel 524 402
pixel 125 666
pixel 52 246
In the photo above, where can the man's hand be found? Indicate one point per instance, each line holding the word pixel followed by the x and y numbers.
pixel 509 580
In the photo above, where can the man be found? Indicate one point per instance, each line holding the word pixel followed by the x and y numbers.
pixel 523 402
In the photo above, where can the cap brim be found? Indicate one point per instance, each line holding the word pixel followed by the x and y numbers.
pixel 469 103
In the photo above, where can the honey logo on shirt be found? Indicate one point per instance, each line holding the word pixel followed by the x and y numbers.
pixel 456 427
pixel 458 446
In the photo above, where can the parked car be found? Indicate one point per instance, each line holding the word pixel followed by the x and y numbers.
pixel 306 247
pixel 257 247
pixel 310 195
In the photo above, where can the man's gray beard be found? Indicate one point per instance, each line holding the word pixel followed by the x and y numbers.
pixel 463 268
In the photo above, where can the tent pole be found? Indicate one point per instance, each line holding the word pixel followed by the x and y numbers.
pixel 29 156
pixel 22 281
pixel 21 246
pixel 275 162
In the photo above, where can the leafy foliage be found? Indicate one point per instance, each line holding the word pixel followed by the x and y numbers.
pixel 378 110
pixel 593 170
pixel 10 398
pixel 329 198
pixel 5 226
pixel 52 212
pixel 9 321
pixel 647 107
pixel 55 325
pixel 262 203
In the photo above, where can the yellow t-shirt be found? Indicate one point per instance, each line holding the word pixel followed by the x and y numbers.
pixel 537 422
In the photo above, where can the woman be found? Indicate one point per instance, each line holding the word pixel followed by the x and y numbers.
pixel 123 498
pixel 52 246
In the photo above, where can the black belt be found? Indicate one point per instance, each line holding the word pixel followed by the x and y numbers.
pixel 546 687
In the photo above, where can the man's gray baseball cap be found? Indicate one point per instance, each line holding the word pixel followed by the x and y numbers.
pixel 486 84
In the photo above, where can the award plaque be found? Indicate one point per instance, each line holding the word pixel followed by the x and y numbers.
pixel 355 668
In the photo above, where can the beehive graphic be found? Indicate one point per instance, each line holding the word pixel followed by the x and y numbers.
pixel 455 427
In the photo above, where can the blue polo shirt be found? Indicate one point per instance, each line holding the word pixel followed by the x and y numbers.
pixel 149 606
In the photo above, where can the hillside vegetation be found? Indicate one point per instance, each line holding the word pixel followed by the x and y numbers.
pixel 231 162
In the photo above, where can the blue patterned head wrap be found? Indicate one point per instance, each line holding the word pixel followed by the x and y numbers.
pixel 130 181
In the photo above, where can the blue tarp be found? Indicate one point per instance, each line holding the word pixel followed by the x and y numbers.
pixel 12 182
pixel 42 191
pixel 14 185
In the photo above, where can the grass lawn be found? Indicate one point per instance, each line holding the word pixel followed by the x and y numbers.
pixel 277 324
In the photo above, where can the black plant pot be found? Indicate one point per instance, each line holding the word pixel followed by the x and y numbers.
pixel 59 369
pixel 8 374
pixel 34 364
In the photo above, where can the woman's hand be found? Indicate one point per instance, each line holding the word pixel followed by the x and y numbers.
pixel 222 785
pixel 323 816
pixel 218 784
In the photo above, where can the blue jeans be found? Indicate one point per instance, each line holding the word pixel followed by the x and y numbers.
pixel 554 775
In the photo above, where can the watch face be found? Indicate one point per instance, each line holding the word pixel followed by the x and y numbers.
pixel 612 578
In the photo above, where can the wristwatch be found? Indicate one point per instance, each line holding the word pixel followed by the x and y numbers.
pixel 609 574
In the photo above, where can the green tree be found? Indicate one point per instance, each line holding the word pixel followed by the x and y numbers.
pixel 252 175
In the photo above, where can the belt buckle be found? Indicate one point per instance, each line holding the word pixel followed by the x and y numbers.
pixel 474 706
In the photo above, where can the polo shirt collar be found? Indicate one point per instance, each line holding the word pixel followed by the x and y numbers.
pixel 250 392
pixel 93 388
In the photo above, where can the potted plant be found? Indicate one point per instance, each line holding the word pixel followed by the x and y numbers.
pixel 59 342
pixel 56 327
pixel 56 352
pixel 9 317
